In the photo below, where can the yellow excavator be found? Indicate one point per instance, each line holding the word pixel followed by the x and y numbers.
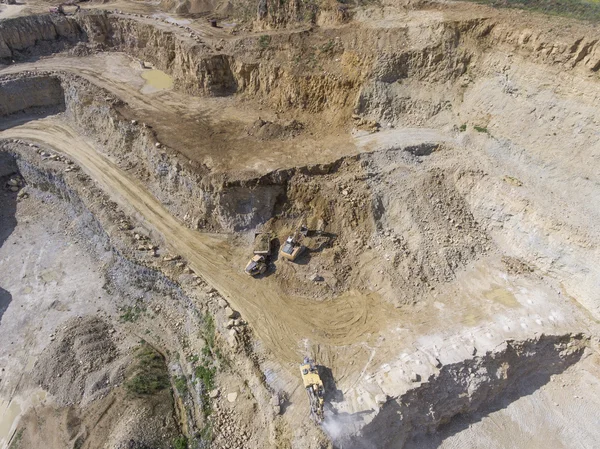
pixel 314 388
pixel 293 247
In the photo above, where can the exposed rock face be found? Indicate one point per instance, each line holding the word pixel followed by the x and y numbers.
pixel 469 386
pixel 38 34
pixel 41 92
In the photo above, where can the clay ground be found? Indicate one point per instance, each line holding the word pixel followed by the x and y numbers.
pixel 470 237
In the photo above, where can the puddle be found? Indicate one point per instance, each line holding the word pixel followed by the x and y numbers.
pixel 502 296
pixel 156 80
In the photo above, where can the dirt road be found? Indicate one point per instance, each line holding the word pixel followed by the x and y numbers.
pixel 286 325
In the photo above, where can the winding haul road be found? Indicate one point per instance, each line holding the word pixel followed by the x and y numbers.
pixel 335 328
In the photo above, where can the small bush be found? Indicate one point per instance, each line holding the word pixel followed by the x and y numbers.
pixel 463 128
pixel 481 129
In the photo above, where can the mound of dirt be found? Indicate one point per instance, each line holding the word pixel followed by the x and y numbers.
pixel 81 363
pixel 117 420
pixel 266 130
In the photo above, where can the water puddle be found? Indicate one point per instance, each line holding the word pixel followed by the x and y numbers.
pixel 156 80
pixel 502 296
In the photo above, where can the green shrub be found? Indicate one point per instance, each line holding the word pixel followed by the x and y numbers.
pixel 148 375
pixel 181 385
pixel 131 314
pixel 264 41
pixel 180 442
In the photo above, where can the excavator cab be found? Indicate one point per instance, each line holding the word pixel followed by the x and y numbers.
pixel 293 247
pixel 314 388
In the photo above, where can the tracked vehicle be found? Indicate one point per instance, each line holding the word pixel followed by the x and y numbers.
pixel 314 388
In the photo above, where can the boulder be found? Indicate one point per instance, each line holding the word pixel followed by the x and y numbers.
pixel 316 278
pixel 414 377
pixel 229 312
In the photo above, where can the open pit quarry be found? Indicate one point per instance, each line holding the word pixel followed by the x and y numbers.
pixel 443 156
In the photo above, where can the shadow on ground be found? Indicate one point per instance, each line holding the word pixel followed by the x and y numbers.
pixel 8 220
pixel 413 421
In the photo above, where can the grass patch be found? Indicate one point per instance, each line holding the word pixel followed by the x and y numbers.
pixel 463 128
pixel 206 375
pixel 264 41
pixel 206 434
pixel 481 129
pixel 588 10
pixel 209 331
pixel 328 47
pixel 181 442
pixel 205 371
pixel 181 385
pixel 16 441
pixel 148 375
pixel 131 314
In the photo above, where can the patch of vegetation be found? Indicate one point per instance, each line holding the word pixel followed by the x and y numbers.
pixel 264 41
pixel 328 47
pixel 181 442
pixel 577 9
pixel 310 10
pixel 79 442
pixel 205 371
pixel 206 434
pixel 512 180
pixel 131 314
pixel 148 375
pixel 209 331
pixel 481 129
pixel 16 441
pixel 463 128
pixel 181 385
pixel 206 375
pixel 222 358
